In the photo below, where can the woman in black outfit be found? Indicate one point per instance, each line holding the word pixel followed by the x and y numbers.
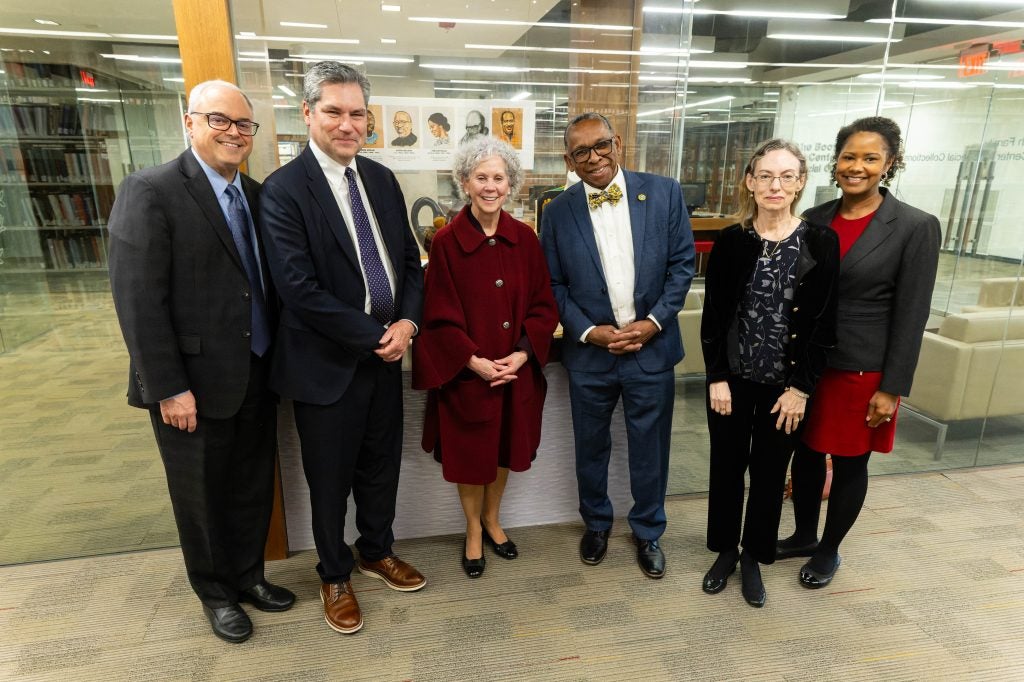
pixel 768 320
pixel 889 253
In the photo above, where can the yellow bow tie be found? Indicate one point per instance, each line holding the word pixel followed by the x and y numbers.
pixel 611 195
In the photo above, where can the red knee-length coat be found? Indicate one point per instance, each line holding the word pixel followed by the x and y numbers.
pixel 483 296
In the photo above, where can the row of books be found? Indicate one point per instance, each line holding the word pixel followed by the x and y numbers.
pixel 41 75
pixel 64 209
pixel 53 164
pixel 47 120
pixel 75 251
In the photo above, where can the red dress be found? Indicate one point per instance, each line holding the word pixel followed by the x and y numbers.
pixel 483 296
pixel 837 421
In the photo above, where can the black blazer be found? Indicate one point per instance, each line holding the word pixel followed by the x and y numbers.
pixel 885 291
pixel 180 290
pixel 813 315
pixel 324 330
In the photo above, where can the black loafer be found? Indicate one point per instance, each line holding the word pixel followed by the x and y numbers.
pixel 593 546
pixel 230 623
pixel 650 557
pixel 814 579
pixel 267 597
pixel 717 576
pixel 506 550
pixel 474 568
pixel 790 547
pixel 753 586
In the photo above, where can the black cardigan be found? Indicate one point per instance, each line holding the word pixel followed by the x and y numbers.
pixel 813 315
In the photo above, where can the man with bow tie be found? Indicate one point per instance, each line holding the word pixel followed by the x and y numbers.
pixel 620 251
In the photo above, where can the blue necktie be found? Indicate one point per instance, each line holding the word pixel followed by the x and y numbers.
pixel 382 303
pixel 238 222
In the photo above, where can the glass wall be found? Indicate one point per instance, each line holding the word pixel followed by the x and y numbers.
pixel 690 86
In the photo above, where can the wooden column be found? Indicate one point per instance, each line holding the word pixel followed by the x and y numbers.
pixel 206 44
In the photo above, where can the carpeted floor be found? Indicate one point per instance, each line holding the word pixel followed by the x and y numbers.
pixel 931 588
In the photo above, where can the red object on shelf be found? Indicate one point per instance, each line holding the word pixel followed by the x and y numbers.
pixel 703 247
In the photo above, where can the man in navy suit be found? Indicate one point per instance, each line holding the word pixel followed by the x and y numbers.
pixel 347 268
pixel 197 311
pixel 620 251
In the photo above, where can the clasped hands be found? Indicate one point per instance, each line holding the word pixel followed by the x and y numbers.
pixel 629 339
pixel 498 372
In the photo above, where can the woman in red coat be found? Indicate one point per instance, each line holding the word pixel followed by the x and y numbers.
pixel 488 317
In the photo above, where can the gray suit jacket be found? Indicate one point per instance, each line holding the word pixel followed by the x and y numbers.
pixel 885 289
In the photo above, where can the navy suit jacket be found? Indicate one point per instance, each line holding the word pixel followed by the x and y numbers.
pixel 663 258
pixel 324 331
pixel 180 290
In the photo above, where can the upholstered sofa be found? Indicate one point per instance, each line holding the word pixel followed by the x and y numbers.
pixel 689 327
pixel 972 367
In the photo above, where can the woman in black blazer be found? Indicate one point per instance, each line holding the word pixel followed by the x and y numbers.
pixel 769 316
pixel 889 254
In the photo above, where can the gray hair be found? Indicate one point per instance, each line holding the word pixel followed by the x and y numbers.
pixel 747 210
pixel 473 153
pixel 331 73
pixel 196 95
pixel 586 116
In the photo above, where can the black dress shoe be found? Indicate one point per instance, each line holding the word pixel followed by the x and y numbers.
pixel 593 546
pixel 474 568
pixel 267 597
pixel 650 557
pixel 793 546
pixel 813 578
pixel 717 576
pixel 753 586
pixel 506 550
pixel 230 623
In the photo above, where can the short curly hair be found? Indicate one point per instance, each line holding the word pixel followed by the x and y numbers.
pixel 887 129
pixel 472 153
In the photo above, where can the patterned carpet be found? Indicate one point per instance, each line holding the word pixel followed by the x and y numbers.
pixel 931 588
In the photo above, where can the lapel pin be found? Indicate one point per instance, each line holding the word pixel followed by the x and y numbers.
pixel 641 197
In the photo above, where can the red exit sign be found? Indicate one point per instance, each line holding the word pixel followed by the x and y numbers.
pixel 972 60
pixel 88 80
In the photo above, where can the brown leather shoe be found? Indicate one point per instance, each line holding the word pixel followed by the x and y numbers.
pixel 395 573
pixel 341 610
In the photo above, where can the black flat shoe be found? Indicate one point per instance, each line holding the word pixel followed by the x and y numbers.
pixel 650 558
pixel 230 623
pixel 474 568
pixel 791 547
pixel 506 550
pixel 717 576
pixel 593 546
pixel 753 586
pixel 267 597
pixel 814 579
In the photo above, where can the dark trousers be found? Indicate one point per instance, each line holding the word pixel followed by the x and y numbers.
pixel 647 402
pixel 747 439
pixel 354 445
pixel 221 483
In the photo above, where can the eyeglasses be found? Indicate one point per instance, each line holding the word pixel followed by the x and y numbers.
pixel 786 179
pixel 221 122
pixel 603 148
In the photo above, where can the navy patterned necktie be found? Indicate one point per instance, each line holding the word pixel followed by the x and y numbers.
pixel 238 222
pixel 382 302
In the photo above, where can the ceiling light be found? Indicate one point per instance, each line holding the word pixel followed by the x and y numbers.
pixel 300 24
pixel 506 22
pixel 277 97
pixel 749 14
pixel 950 22
pixel 46 22
pixel 464 89
pixel 144 36
pixel 46 32
pixel 246 35
pixel 98 99
pixel 832 39
pixel 390 8
pixel 532 83
pixel 652 52
pixel 349 58
pixel 286 90
pixel 175 80
pixel 699 64
pixel 520 95
pixel 253 54
pixel 285 106
pixel 713 100
pixel 137 58
pixel 388 41
pixel 90 90
pixel 475 67
pixel 899 76
pixel 945 85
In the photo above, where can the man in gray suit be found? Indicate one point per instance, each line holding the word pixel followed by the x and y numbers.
pixel 196 309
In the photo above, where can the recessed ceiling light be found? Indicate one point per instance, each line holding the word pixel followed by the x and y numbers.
pixel 48 32
pixel 137 58
pixel 175 80
pixel 388 41
pixel 301 24
pixel 475 67
pixel 832 39
pixel 390 8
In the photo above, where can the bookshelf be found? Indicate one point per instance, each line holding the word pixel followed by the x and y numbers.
pixel 716 153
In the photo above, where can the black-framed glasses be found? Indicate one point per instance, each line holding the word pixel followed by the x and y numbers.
pixel 222 122
pixel 786 179
pixel 603 148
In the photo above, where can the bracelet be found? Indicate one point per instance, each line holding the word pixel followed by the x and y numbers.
pixel 798 393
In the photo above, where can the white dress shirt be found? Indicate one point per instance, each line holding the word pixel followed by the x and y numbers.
pixel 613 232
pixel 335 173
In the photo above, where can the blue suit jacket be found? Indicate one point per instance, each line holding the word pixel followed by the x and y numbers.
pixel 663 258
